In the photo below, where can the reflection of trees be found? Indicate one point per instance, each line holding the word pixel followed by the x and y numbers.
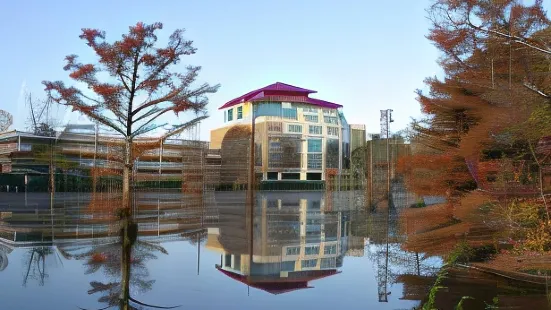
pixel 4 251
pixel 36 265
pixel 108 259
pixel 391 261
pixel 124 263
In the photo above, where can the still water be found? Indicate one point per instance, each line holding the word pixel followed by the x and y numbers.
pixel 310 249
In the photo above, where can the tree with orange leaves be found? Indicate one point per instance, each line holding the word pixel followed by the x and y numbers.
pixel 136 69
pixel 434 174
pixel 495 57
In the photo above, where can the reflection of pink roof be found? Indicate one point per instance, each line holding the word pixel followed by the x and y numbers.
pixel 278 286
pixel 281 92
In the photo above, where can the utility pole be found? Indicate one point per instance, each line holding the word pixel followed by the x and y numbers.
pixel 386 119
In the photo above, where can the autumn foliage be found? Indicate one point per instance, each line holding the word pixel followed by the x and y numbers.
pixel 130 86
pixel 434 174
pixel 495 58
pixel 135 68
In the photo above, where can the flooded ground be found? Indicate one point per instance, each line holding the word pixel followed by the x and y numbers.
pixel 309 249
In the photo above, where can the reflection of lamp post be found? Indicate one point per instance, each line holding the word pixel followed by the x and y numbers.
pixel 251 158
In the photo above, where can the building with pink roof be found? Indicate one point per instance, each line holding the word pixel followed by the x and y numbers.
pixel 297 137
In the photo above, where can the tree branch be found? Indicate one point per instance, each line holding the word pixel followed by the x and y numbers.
pixel 160 112
pixel 517 39
pixel 536 90
pixel 179 128
pixel 131 99
pixel 104 121
pixel 144 129
pixel 167 97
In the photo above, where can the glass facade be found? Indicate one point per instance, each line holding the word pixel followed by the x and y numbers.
pixel 295 250
pixel 315 161
pixel 285 152
pixel 315 130
pixel 333 131
pixel 345 142
pixel 331 120
pixel 332 153
pixel 312 250
pixel 309 263
pixel 314 145
pixel 290 113
pixel 311 118
pixel 330 262
pixel 294 128
pixel 330 249
pixel 292 151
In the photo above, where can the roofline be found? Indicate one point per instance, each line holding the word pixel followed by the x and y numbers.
pixel 243 98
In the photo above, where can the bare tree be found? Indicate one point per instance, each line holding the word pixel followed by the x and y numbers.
pixel 40 121
pixel 5 120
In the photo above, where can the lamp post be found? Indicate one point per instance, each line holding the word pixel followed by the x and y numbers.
pixel 250 186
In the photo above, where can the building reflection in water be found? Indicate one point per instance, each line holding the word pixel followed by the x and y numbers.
pixel 296 240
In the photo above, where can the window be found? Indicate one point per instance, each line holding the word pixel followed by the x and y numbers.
pixel 330 249
pixel 290 176
pixel 330 262
pixel 294 250
pixel 274 126
pixel 315 130
pixel 240 112
pixel 333 131
pixel 314 145
pixel 237 262
pixel 309 263
pixel 25 147
pixel 230 115
pixel 332 153
pixel 288 111
pixel 330 120
pixel 312 250
pixel 275 159
pixel 258 154
pixel 330 112
pixel 311 118
pixel 314 161
pixel 313 205
pixel 272 175
pixel 313 176
pixel 310 110
pixel 294 128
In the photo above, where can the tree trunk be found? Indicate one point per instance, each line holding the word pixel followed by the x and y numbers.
pixel 127 176
pixel 126 241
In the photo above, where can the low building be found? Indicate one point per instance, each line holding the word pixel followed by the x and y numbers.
pixel 297 138
pixel 79 158
pixel 358 137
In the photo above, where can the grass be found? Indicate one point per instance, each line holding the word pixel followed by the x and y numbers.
pixel 462 253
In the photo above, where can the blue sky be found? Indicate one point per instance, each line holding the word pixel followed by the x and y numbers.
pixel 365 55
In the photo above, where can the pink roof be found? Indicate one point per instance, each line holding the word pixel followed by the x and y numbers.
pixel 281 92
pixel 278 286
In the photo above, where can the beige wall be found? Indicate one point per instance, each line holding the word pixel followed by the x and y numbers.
pixel 217 135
